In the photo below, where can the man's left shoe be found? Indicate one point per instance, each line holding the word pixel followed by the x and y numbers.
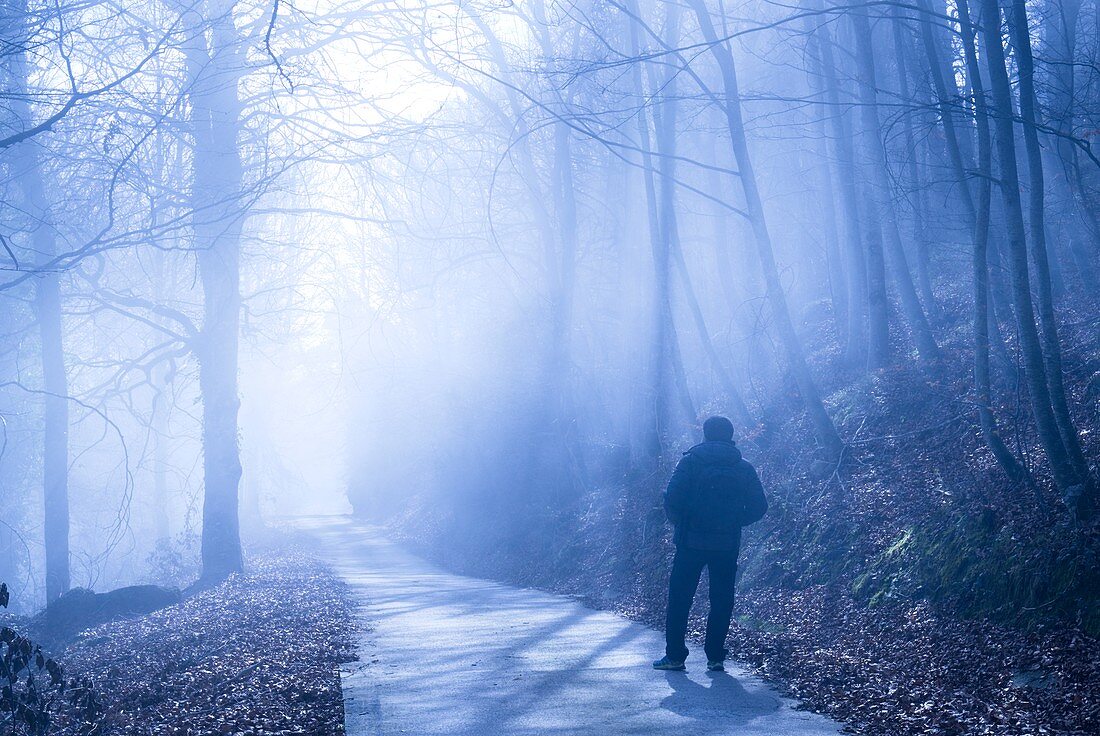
pixel 715 666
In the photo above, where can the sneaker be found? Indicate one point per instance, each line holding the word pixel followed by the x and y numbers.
pixel 715 665
pixel 667 663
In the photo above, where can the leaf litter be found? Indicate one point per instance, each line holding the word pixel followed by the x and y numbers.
pixel 257 655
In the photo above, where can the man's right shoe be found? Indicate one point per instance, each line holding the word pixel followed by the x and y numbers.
pixel 666 663
pixel 716 666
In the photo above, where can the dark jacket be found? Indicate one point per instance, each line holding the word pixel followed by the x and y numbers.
pixel 699 521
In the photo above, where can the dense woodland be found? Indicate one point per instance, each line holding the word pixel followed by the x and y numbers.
pixel 482 269
pixel 863 232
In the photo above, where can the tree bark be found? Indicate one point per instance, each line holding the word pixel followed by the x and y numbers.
pixel 1059 34
pixel 839 289
pixel 867 305
pixel 27 160
pixel 664 125
pixel 1021 39
pixel 982 313
pixel 216 68
pixel 47 308
pixel 657 417
pixel 959 163
pixel 921 249
pixel 879 201
pixel 1065 474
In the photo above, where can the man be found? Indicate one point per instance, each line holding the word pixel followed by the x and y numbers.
pixel 712 494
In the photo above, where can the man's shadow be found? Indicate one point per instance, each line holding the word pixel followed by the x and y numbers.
pixel 723 698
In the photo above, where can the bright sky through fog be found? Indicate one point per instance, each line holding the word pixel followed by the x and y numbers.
pixel 296 390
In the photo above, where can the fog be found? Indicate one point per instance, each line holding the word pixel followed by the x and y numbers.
pixel 492 262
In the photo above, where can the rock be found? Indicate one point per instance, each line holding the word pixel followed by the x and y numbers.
pixel 81 608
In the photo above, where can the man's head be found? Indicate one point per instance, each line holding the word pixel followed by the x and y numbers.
pixel 718 429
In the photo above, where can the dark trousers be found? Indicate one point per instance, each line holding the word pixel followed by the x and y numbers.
pixel 687 566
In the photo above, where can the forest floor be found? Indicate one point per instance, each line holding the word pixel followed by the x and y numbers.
pixel 256 655
pixel 905 668
pixel 897 669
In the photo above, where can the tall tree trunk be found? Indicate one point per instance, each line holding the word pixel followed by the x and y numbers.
pixel 867 294
pixel 657 417
pixel 47 308
pixel 1000 293
pixel 1065 474
pixel 837 283
pixel 1021 39
pixel 921 247
pixel 1059 34
pixel 161 377
pixel 880 203
pixel 824 429
pixel 945 92
pixel 27 164
pixel 734 284
pixel 869 228
pixel 839 289
pixel 983 394
pixel 664 125
pixel 216 67
pixel 944 98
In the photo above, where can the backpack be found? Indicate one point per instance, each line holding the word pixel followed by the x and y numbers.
pixel 717 504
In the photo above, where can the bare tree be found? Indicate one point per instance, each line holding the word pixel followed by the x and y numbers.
pixel 1065 474
pixel 215 63
pixel 28 161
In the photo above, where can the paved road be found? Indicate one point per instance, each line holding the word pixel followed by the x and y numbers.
pixel 445 654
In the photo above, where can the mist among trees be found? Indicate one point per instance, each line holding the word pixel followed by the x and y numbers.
pixel 476 272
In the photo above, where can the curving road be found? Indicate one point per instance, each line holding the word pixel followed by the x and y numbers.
pixel 445 654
